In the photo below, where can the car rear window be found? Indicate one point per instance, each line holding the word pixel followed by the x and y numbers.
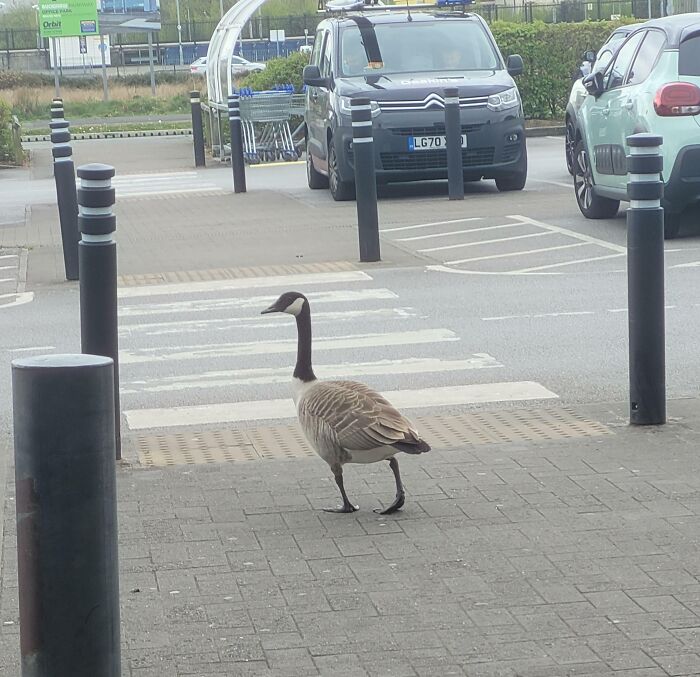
pixel 689 56
pixel 419 47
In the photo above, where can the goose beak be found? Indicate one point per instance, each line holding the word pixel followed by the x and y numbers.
pixel 272 309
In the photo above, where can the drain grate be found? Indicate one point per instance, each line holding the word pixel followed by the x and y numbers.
pixel 287 441
pixel 234 273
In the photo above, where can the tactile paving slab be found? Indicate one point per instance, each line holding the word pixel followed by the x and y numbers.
pixel 287 441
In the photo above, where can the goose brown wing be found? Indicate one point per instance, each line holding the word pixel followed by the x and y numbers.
pixel 359 417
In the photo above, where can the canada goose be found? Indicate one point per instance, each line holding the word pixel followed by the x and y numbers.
pixel 345 421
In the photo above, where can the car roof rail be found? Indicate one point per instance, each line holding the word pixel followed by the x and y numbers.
pixel 359 6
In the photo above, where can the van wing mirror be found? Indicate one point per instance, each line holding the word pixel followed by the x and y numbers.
pixel 514 64
pixel 590 56
pixel 594 83
pixel 312 77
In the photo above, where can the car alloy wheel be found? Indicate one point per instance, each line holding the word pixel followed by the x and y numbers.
pixel 583 183
pixel 569 146
pixel 592 206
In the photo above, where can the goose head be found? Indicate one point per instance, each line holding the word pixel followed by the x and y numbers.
pixel 291 302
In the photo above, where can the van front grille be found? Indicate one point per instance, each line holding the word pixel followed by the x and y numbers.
pixel 434 159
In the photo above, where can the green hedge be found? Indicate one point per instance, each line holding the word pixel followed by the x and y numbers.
pixel 10 146
pixel 551 53
pixel 281 71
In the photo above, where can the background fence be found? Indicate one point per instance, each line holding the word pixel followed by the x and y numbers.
pixel 196 34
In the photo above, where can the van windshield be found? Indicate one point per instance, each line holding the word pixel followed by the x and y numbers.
pixel 418 46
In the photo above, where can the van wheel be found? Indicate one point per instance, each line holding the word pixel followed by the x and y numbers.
pixel 511 182
pixel 341 191
pixel 591 205
pixel 315 179
pixel 672 225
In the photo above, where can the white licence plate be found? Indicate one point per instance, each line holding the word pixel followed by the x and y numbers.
pixel 431 142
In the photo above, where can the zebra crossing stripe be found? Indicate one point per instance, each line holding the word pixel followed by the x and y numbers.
pixel 259 410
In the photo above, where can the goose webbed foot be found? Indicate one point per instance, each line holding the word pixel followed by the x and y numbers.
pixel 400 495
pixel 347 506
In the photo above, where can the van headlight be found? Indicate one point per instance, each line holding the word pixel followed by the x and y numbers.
pixel 346 106
pixel 504 100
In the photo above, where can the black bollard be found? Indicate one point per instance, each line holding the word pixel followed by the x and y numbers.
pixel 365 181
pixel 64 176
pixel 66 510
pixel 197 129
pixel 98 273
pixel 453 140
pixel 645 281
pixel 237 161
pixel 57 110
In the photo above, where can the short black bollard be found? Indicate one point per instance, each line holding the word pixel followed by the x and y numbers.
pixel 197 129
pixel 64 176
pixel 237 161
pixel 453 141
pixel 99 330
pixel 645 281
pixel 66 507
pixel 57 110
pixel 365 180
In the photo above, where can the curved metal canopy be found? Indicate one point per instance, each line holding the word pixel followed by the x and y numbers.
pixel 221 47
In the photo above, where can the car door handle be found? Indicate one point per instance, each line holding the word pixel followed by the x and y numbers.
pixel 629 104
pixel 605 111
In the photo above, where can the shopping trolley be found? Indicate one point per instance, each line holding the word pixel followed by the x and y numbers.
pixel 265 124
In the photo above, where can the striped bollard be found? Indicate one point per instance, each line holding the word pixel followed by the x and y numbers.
pixel 365 180
pixel 645 280
pixel 453 141
pixel 99 331
pixel 64 177
pixel 237 161
pixel 197 129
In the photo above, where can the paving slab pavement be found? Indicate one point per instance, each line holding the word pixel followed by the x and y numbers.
pixel 548 558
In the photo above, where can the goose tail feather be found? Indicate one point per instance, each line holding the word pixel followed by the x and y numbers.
pixel 417 447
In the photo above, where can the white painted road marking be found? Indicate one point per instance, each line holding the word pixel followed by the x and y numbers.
pixel 458 232
pixel 430 225
pixel 215 350
pixel 258 410
pixel 264 376
pixel 478 243
pixel 19 299
pixel 257 302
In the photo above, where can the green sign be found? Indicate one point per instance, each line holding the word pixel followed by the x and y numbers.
pixel 67 18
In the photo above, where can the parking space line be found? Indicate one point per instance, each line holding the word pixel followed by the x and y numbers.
pixel 551 183
pixel 523 253
pixel 428 225
pixel 459 232
pixel 475 244
pixel 567 263
pixel 8 256
pixel 571 233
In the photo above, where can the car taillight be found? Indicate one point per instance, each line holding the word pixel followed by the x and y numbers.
pixel 677 98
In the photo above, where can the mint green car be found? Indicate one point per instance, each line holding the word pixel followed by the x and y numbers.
pixel 652 85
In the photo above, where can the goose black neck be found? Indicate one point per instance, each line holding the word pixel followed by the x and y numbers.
pixel 303 369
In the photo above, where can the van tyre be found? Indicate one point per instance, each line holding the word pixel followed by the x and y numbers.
pixel 315 179
pixel 592 206
pixel 512 182
pixel 341 191
pixel 672 225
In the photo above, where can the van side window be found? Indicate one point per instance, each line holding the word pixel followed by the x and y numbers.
pixel 327 56
pixel 318 48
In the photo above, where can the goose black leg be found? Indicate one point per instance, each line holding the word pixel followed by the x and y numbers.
pixel 347 506
pixel 400 495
